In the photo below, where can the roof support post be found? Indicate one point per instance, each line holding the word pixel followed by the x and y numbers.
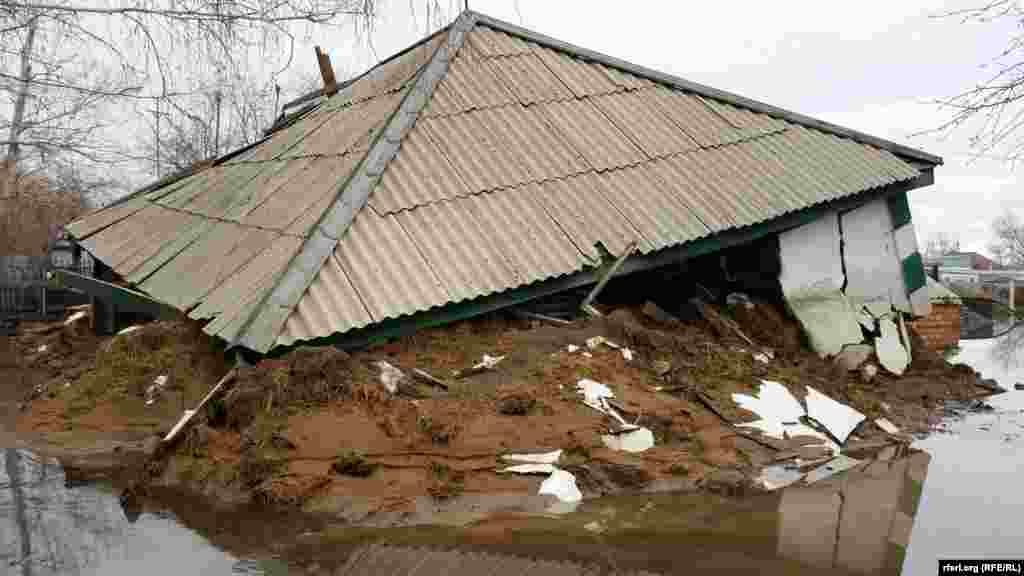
pixel 586 305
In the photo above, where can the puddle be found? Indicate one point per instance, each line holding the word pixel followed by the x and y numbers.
pixel 48 528
pixel 977 469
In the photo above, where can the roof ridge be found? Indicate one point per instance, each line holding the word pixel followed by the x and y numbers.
pixel 261 329
pixel 703 90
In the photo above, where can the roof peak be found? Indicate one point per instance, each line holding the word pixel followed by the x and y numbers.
pixel 701 89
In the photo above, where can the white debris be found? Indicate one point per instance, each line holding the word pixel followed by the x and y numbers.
pixel 543 458
pixel 637 440
pixel 891 353
pixel 627 354
pixel 488 362
pixel 562 485
pixel 762 358
pixel 42 348
pixel 596 395
pixel 780 413
pixel 594 342
pixel 571 348
pixel 531 469
pixel 587 354
pixel 886 406
pixel 838 464
pixel 128 330
pixel 778 476
pixel 887 426
pixel 389 376
pixel 155 388
pixel 74 318
pixel 839 419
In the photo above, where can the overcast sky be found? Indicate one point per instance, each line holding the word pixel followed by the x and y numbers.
pixel 869 65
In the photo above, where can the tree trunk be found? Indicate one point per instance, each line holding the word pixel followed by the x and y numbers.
pixel 18 119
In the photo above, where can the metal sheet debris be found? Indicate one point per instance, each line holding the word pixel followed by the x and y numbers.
pixel 887 426
pixel 839 419
pixel 891 353
pixel 637 440
pixel 389 376
pixel 562 485
pixel 543 458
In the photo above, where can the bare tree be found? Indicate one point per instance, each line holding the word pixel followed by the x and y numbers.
pixel 992 109
pixel 1008 243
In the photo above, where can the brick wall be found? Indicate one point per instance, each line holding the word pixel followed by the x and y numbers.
pixel 941 328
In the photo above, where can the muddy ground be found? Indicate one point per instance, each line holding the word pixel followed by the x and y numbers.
pixel 316 429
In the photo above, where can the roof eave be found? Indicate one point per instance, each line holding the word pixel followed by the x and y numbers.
pixel 905 152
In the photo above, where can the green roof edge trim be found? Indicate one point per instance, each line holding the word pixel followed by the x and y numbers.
pixel 683 84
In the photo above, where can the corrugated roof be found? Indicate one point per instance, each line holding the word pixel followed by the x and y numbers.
pixel 489 161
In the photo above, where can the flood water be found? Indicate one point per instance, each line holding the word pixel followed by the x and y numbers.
pixel 960 494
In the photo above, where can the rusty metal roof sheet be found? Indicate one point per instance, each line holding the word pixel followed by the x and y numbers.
pixel 488 162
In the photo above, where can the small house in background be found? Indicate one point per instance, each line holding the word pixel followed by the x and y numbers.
pixel 941 328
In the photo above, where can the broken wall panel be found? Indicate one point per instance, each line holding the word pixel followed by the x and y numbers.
pixel 812 281
pixel 873 274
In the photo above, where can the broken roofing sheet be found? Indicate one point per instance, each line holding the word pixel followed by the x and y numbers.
pixel 485 159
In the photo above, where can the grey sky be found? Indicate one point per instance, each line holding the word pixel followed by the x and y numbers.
pixel 870 65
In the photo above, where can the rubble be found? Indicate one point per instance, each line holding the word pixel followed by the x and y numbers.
pixel 839 419
pixel 890 351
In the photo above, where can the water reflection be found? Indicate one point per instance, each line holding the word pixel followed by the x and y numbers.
pixel 47 528
pixel 976 473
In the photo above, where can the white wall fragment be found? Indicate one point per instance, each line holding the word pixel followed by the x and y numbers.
pixel 389 376
pixel 839 419
pixel 890 351
pixel 780 413
pixel 637 440
pixel 562 485
pixel 874 272
pixel 542 458
pixel 812 279
pixel 530 469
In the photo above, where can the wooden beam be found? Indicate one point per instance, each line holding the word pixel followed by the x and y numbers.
pixel 326 72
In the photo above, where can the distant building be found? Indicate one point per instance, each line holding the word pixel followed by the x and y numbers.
pixel 972 260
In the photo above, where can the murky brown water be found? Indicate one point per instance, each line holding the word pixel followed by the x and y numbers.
pixel 890 515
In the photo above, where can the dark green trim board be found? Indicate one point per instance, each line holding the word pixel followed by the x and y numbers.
pixel 397 327
pixel 913 272
pixel 123 299
pixel 899 209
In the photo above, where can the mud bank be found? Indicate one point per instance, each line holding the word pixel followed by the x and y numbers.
pixel 317 430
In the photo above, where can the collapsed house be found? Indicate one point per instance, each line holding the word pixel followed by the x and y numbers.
pixel 489 166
